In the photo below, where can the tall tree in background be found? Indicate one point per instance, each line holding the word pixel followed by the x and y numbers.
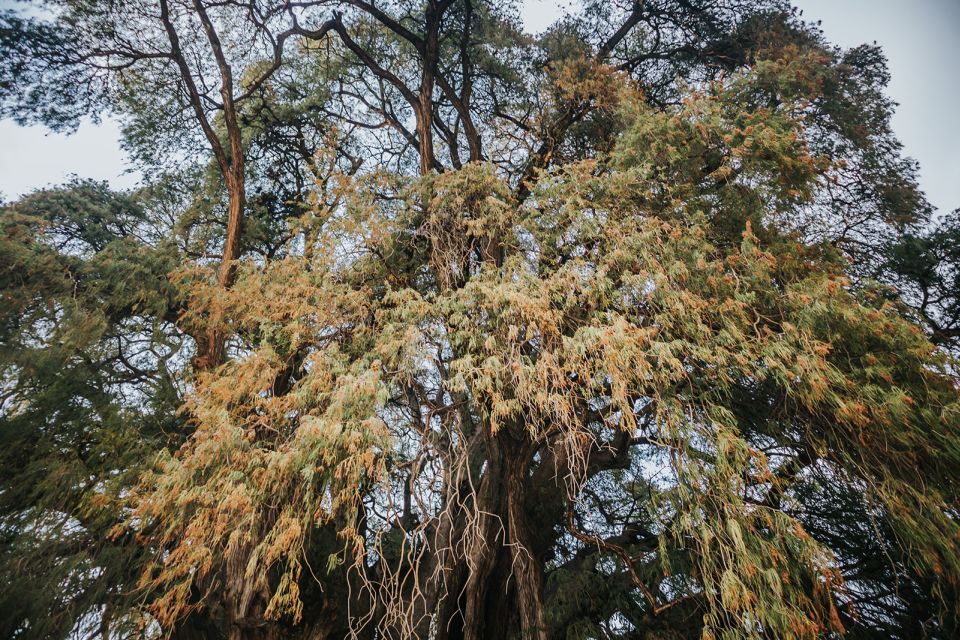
pixel 425 327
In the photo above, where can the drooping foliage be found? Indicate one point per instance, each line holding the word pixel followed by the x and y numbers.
pixel 89 390
pixel 608 333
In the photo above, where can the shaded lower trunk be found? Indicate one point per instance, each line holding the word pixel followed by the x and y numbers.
pixel 527 568
pixel 502 576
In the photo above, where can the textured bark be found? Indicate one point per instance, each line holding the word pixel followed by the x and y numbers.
pixel 502 589
pixel 483 551
pixel 527 569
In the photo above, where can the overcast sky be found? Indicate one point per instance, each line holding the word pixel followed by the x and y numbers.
pixel 920 37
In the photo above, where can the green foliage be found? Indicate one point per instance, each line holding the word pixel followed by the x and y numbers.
pixel 39 83
pixel 924 265
pixel 88 395
pixel 625 374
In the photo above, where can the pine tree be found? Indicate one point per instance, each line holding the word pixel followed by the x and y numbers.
pixel 423 327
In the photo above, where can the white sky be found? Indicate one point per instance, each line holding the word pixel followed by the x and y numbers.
pixel 921 38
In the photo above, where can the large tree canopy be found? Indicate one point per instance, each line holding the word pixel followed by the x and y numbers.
pixel 421 326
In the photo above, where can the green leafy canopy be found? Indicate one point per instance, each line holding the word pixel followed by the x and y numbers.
pixel 636 329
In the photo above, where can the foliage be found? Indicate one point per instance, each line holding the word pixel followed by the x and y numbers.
pixel 607 333
pixel 87 394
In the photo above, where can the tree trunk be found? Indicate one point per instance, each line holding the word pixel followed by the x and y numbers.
pixel 527 569
pixel 484 547
pixel 503 586
pixel 210 347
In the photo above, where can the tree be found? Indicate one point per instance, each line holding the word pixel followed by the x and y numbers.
pixel 568 336
pixel 89 358
pixel 924 264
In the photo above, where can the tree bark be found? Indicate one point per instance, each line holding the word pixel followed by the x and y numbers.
pixel 527 569
pixel 503 582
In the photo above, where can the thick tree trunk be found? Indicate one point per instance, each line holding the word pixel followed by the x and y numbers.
pixel 484 547
pixel 527 569
pixel 503 579
pixel 199 625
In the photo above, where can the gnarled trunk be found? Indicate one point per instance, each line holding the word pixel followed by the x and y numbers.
pixel 527 569
pixel 503 578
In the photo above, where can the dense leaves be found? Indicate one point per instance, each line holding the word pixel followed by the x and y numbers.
pixel 88 391
pixel 424 327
